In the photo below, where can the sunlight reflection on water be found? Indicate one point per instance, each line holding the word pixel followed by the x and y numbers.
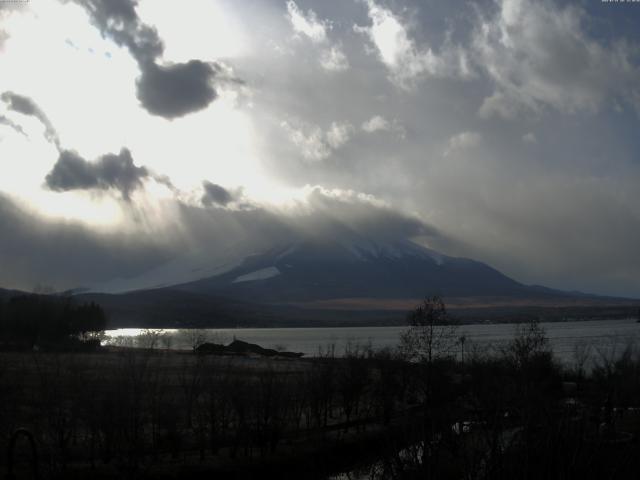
pixel 603 337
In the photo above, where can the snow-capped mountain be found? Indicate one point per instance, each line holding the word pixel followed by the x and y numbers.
pixel 311 270
pixel 347 280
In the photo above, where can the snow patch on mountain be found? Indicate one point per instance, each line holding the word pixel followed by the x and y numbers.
pixel 262 274
pixel 291 249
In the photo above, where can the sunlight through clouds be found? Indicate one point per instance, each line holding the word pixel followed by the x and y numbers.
pixel 212 33
pixel 169 119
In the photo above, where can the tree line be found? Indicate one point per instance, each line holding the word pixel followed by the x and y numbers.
pixel 49 321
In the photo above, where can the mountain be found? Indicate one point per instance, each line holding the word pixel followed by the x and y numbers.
pixel 312 271
pixel 194 265
pixel 347 280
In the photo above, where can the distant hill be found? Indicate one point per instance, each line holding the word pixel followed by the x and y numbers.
pixel 5 293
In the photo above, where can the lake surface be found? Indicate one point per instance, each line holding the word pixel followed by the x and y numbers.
pixel 568 339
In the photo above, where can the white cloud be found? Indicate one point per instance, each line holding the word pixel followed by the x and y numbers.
pixel 314 144
pixel 462 141
pixel 308 24
pixel 406 61
pixel 339 134
pixel 540 55
pixel 309 141
pixel 530 138
pixel 334 59
pixel 378 123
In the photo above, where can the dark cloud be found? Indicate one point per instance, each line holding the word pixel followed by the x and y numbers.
pixel 110 171
pixel 21 104
pixel 118 20
pixel 66 254
pixel 176 90
pixel 26 106
pixel 168 91
pixel 334 216
pixel 7 121
pixel 215 195
pixel 353 213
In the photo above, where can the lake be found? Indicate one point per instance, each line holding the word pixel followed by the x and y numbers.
pixel 568 339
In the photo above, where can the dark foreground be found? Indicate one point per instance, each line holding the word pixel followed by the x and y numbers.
pixel 154 414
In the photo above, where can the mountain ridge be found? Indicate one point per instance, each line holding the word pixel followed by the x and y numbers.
pixel 320 270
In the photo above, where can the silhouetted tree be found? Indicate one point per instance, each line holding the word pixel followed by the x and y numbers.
pixel 31 320
pixel 431 331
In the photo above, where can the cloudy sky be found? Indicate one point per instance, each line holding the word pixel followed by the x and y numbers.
pixel 140 134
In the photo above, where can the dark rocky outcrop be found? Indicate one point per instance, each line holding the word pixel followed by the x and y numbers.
pixel 239 347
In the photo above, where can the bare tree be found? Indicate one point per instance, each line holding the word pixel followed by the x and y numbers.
pixel 149 338
pixel 582 353
pixel 431 333
pixel 167 340
pixel 529 342
pixel 462 340
pixel 431 339
pixel 194 337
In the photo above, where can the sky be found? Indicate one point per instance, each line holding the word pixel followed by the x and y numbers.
pixel 135 135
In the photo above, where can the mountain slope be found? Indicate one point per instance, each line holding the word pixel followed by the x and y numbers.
pixel 321 270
